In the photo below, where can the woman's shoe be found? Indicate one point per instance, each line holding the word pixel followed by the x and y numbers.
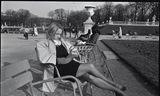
pixel 118 94
pixel 123 88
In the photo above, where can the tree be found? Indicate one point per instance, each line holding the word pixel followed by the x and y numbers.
pixel 76 18
pixel 96 16
pixel 118 12
pixel 108 10
pixel 153 10
pixel 10 12
pixel 60 14
pixel 51 14
pixel 143 10
pixel 11 17
pixel 133 10
pixel 23 15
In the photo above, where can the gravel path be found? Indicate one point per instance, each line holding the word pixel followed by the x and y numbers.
pixel 15 48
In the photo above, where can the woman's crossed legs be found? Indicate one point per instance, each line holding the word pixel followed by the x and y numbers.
pixel 91 74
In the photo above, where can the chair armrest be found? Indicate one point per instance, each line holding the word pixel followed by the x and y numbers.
pixel 91 44
pixel 52 66
pixel 78 82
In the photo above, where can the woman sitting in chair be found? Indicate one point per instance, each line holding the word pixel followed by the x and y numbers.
pixel 57 50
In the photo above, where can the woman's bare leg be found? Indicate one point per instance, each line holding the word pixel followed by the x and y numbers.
pixel 90 68
pixel 101 83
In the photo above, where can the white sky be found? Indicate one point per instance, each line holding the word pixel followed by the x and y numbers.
pixel 41 8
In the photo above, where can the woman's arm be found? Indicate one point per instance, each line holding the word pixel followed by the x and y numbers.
pixel 66 60
pixel 84 38
pixel 45 55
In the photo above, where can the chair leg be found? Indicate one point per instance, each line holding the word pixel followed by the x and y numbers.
pixel 80 90
pixel 84 89
pixel 31 89
pixel 91 89
pixel 74 88
pixel 42 94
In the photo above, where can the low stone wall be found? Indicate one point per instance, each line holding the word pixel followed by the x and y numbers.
pixel 141 30
pixel 97 58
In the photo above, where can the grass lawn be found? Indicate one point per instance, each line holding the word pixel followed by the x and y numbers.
pixel 143 56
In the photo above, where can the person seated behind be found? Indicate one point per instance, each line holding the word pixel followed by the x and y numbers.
pixel 114 34
pixel 58 51
pixel 26 31
pixel 95 34
pixel 85 37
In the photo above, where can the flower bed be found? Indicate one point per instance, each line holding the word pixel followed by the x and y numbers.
pixel 141 55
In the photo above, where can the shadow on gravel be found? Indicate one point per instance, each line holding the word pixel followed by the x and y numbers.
pixel 6 63
pixel 36 40
pixel 21 38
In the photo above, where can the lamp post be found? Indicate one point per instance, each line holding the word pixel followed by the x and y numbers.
pixel 89 23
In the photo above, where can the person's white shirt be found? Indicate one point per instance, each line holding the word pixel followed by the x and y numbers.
pixel 26 30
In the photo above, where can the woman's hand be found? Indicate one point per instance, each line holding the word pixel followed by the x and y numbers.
pixel 72 56
pixel 66 60
pixel 62 60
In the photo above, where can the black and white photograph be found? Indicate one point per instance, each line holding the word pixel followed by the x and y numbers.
pixel 79 48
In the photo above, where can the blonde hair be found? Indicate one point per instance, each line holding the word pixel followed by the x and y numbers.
pixel 52 29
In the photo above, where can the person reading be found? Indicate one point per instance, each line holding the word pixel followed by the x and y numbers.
pixel 57 50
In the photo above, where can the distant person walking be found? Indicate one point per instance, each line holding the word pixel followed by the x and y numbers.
pixel 43 28
pixel 26 31
pixel 35 31
pixel 32 33
pixel 76 32
pixel 114 34
pixel 120 32
pixel 73 31
pixel 95 34
pixel 65 31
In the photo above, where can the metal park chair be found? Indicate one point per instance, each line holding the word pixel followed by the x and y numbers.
pixel 62 79
pixel 19 74
pixel 84 50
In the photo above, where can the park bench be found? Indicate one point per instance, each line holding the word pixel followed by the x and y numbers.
pixel 15 76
